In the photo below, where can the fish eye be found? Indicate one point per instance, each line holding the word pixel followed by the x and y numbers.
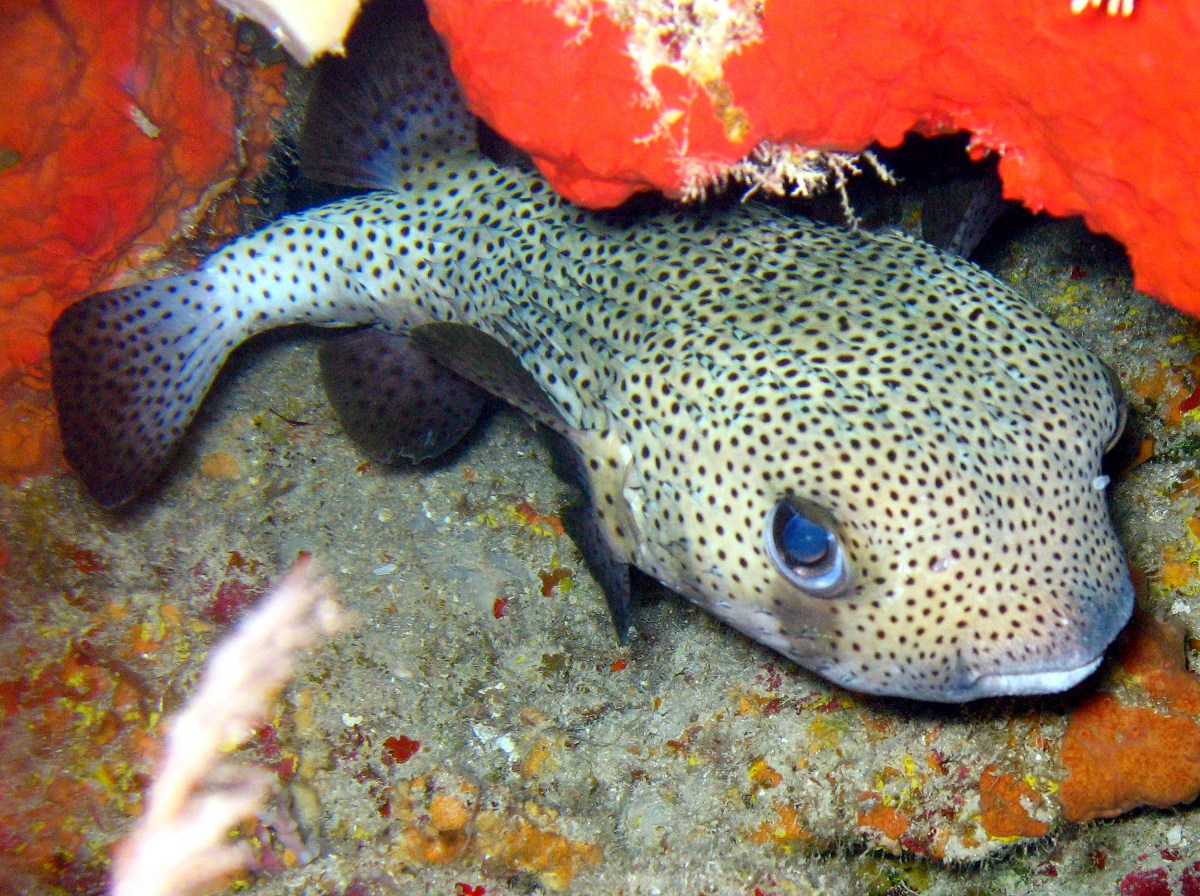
pixel 803 544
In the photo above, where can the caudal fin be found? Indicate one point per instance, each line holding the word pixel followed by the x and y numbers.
pixel 129 369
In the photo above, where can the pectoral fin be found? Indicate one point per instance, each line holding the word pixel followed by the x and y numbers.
pixel 957 215
pixel 393 399
pixel 608 567
pixel 490 364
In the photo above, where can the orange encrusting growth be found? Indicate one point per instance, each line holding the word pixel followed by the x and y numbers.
pixel 1084 109
pixel 882 822
pixel 120 123
pixel 1004 806
pixel 440 819
pixel 785 832
pixel 1120 756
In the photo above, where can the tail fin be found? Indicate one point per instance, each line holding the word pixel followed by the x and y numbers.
pixel 390 108
pixel 129 369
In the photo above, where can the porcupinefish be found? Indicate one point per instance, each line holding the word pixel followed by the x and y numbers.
pixel 857 449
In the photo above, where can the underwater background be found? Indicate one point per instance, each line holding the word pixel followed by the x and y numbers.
pixel 479 729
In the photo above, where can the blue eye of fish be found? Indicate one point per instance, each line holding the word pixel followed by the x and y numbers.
pixel 803 545
pixel 803 542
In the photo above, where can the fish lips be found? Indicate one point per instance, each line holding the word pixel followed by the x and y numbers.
pixel 1010 684
pixel 1063 672
pixel 1060 667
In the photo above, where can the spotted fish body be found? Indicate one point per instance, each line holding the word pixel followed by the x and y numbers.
pixel 708 367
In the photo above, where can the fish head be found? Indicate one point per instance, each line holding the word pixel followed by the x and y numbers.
pixel 927 525
pixel 949 572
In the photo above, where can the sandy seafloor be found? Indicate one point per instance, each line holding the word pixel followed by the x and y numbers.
pixel 693 761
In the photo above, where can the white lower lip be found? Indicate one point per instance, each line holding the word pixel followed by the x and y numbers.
pixel 1051 682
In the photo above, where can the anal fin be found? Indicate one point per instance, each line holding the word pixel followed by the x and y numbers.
pixel 393 399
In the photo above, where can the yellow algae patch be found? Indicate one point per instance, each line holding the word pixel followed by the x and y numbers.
pixel 220 465
pixel 540 757
pixel 1179 569
pixel 1175 571
pixel 547 525
pixel 825 733
pixel 1069 305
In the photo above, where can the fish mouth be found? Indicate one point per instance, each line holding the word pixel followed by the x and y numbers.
pixel 1012 684
pixel 1059 677
pixel 966 687
pixel 1056 677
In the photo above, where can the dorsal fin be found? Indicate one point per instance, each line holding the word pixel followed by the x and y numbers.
pixel 388 109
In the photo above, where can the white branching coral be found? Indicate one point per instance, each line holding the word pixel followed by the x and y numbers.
pixel 179 846
pixel 693 37
pixel 783 169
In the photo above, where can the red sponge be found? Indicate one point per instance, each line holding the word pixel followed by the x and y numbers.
pixel 1092 113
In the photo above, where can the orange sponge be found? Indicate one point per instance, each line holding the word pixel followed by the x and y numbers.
pixel 1120 755
pixel 117 119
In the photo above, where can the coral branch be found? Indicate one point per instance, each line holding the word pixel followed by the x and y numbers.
pixel 306 28
pixel 179 844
